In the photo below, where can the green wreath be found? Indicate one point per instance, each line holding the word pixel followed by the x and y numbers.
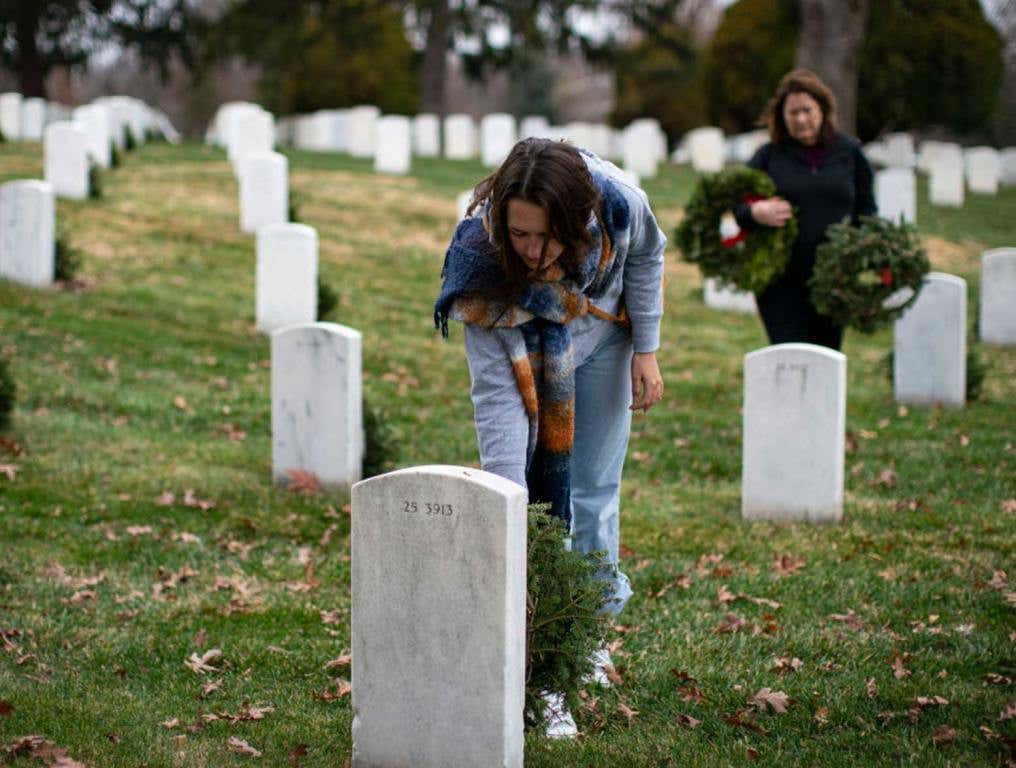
pixel 866 275
pixel 749 260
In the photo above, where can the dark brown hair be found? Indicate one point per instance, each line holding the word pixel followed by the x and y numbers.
pixel 552 175
pixel 800 81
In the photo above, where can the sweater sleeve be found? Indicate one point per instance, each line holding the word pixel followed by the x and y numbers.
pixel 502 426
pixel 643 275
pixel 742 213
pixel 864 193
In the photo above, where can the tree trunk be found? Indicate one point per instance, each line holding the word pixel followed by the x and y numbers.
pixel 829 44
pixel 28 61
pixel 435 64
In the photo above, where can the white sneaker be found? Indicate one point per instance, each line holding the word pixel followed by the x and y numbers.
pixel 560 723
pixel 602 665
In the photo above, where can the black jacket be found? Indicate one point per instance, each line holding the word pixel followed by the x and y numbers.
pixel 841 186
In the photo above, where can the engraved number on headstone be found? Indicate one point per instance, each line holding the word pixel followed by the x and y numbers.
pixel 792 369
pixel 428 508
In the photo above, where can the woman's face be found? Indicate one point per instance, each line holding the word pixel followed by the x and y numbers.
pixel 803 117
pixel 529 229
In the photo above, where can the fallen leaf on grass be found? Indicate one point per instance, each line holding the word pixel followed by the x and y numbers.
pixel 852 620
pixel 191 500
pixel 724 595
pixel 134 531
pixel 241 747
pixel 926 702
pixel 1008 713
pixel 302 481
pixel 744 718
pixel 887 478
pixel 343 660
pixel 731 623
pixel 943 734
pixel 202 664
pixel 171 723
pixel 10 470
pixel 783 665
pixel 81 596
pixel 871 688
pixel 627 712
pixel 1009 505
pixel 688 721
pixel 6 708
pixel 821 716
pixel 897 662
pixel 613 675
pixel 210 688
pixel 683 581
pixel 298 753
pixel 165 499
pixel 999 580
pixel 331 617
pixel 785 565
pixel 342 688
pixel 691 693
pixel 777 700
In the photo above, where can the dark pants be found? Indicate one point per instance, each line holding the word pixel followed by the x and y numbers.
pixel 788 315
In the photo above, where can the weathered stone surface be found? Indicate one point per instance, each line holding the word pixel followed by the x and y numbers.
pixel 317 403
pixel 394 145
pixel 899 150
pixel 997 320
pixel 438 619
pixel 497 137
pixel 984 169
pixel 795 400
pixel 427 135
pixel 460 139
pixel 641 149
pixel 533 126
pixel 896 194
pixel 361 127
pixel 930 345
pixel 946 182
pixel 10 115
pixel 706 148
pixel 286 276
pixel 95 121
pixel 65 160
pixel 264 190
pixel 249 129
pixel 27 232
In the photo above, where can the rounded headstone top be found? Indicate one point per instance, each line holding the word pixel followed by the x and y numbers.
pixel 800 347
pixel 329 329
pixel 36 185
pixel 944 278
pixel 287 228
pixel 471 475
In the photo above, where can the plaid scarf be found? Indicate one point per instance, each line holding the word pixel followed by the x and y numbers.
pixel 534 331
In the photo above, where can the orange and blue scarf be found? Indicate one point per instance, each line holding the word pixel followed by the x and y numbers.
pixel 534 330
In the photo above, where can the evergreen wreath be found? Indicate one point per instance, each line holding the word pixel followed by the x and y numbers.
pixel 748 260
pixel 866 275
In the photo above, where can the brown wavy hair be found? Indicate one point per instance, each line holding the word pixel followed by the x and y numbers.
pixel 800 81
pixel 552 175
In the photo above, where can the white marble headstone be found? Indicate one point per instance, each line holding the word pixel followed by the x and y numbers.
pixel 394 145
pixel 10 115
pixel 95 122
pixel 998 297
pixel 460 139
pixel 795 398
pixel 727 298
pixel 317 403
pixel 640 150
pixel 896 194
pixel 497 137
pixel 533 126
pixel 1008 160
pixel 249 130
pixel 65 159
pixel 264 190
pixel 984 169
pixel 286 276
pixel 361 130
pixel 899 150
pixel 946 182
pixel 438 619
pixel 746 144
pixel 705 145
pixel 33 119
pixel 930 345
pixel 927 153
pixel 27 232
pixel 427 135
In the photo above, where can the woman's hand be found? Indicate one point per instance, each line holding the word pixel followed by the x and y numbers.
pixel 771 212
pixel 646 381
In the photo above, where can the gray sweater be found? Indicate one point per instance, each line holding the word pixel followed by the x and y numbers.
pixel 502 426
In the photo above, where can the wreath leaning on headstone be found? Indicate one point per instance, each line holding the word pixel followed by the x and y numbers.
pixel 749 259
pixel 866 275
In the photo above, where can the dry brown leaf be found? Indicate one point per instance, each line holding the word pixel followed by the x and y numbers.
pixel 683 582
pixel 943 734
pixel 1009 505
pixel 744 718
pixel 724 595
pixel 897 662
pixel 888 478
pixel 627 712
pixel 783 664
pixel 926 702
pixel 691 693
pixel 298 753
pixel 688 721
pixel 171 723
pixel 210 687
pixel 1008 713
pixel 241 747
pixel 331 617
pixel 852 620
pixel 165 499
pixel 6 708
pixel 202 664
pixel 731 623
pixel 342 688
pixel 999 580
pixel 777 700
pixel 10 471
pixel 180 402
pixel 343 660
pixel 871 688
pixel 302 481
pixel 785 565
pixel 191 500
pixel 821 716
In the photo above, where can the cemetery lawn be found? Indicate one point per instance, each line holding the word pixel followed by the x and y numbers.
pixel 140 532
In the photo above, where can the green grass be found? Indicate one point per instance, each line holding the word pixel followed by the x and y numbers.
pixel 168 312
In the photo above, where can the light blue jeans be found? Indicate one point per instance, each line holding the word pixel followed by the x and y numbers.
pixel 602 426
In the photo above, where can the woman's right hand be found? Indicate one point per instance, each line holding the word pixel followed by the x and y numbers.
pixel 771 212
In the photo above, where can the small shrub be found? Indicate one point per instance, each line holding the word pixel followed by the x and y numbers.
pixel 68 260
pixel 565 621
pixel 379 447
pixel 130 143
pixel 327 299
pixel 3 139
pixel 94 182
pixel 114 155
pixel 8 393
pixel 294 207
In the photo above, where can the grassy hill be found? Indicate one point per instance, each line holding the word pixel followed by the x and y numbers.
pixel 139 526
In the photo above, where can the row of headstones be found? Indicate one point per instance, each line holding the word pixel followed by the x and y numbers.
pixel 951 168
pixel 997 315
